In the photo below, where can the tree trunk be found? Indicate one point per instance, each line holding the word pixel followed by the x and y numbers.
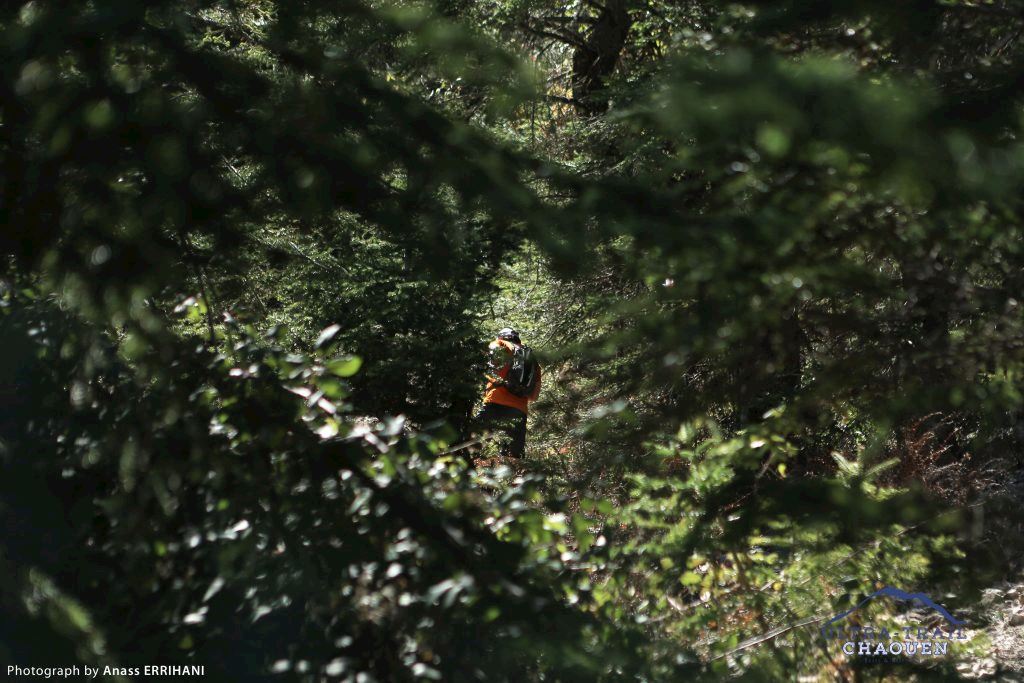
pixel 595 59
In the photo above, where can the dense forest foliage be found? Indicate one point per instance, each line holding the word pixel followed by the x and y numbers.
pixel 253 252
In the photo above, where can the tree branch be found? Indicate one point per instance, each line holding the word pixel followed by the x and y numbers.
pixel 575 41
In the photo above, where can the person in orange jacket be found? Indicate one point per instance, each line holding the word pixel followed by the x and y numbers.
pixel 514 384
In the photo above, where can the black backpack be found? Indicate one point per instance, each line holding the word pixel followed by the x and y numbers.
pixel 522 372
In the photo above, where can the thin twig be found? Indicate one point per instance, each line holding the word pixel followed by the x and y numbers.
pixel 462 446
pixel 774 633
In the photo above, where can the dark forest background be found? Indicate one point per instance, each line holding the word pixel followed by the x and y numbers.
pixel 252 253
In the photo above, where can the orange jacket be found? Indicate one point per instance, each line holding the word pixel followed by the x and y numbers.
pixel 496 391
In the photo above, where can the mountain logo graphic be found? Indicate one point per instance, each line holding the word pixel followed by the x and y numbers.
pixel 889 591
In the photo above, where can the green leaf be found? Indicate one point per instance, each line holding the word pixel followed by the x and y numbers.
pixel 327 335
pixel 690 579
pixel 345 366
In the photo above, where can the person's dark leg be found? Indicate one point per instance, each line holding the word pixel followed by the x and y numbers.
pixel 508 420
pixel 491 416
pixel 518 446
